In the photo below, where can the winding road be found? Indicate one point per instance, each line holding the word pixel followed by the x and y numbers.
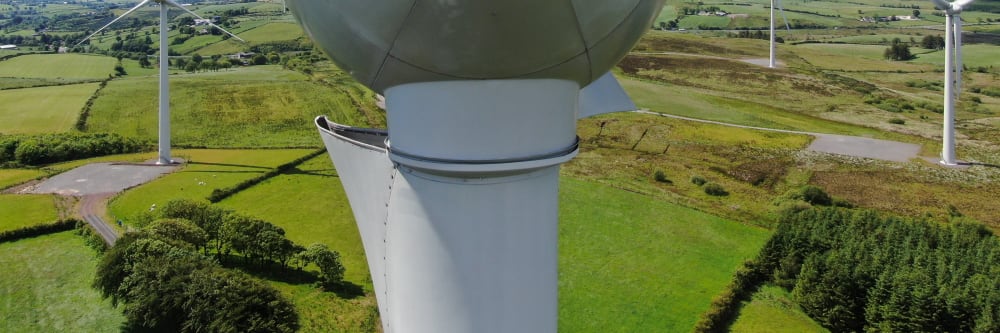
pixel 95 183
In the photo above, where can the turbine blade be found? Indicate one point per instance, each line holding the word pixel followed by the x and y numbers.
pixel 783 16
pixel 957 30
pixel 113 21
pixel 961 3
pixel 942 4
pixel 605 95
pixel 172 3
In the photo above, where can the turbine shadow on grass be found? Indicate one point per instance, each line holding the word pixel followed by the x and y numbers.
pixel 230 165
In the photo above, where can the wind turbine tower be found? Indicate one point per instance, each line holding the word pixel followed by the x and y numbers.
pixel 772 60
pixel 164 99
pixel 457 201
pixel 952 73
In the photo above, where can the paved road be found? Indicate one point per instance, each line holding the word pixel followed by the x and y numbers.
pixel 91 210
pixel 834 144
pixel 95 184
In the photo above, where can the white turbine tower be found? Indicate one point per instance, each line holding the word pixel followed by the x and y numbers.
pixel 164 110
pixel 772 62
pixel 457 202
pixel 952 73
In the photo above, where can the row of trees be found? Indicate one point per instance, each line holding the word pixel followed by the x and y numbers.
pixel 166 285
pixel 20 150
pixel 858 271
pixel 224 233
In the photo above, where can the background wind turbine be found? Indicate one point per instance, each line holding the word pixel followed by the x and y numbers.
pixel 772 63
pixel 164 112
pixel 952 73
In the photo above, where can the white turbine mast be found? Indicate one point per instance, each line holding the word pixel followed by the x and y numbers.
pixel 952 73
pixel 772 63
pixel 164 105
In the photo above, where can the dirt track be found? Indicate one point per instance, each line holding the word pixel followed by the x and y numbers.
pixel 834 144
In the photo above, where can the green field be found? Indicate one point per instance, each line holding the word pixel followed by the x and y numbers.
pixel 71 66
pixel 11 177
pixel 206 170
pixel 20 211
pixel 43 109
pixel 45 283
pixel 629 263
pixel 310 204
pixel 973 55
pixel 692 103
pixel 853 57
pixel 773 310
pixel 270 32
pixel 251 107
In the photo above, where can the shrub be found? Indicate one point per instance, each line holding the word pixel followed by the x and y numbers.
pixel 698 180
pixel 897 121
pixel 815 196
pixel 37 230
pixel 661 177
pixel 715 189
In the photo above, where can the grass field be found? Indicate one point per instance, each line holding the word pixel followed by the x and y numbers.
pixel 854 57
pixel 71 66
pixel 253 107
pixel 20 211
pixel 629 263
pixel 213 168
pixel 772 310
pixel 43 109
pixel 973 55
pixel 45 283
pixel 310 204
pixel 11 177
pixel 684 101
pixel 269 32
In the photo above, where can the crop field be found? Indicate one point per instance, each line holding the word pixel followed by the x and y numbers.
pixel 43 109
pixel 45 283
pixel 255 107
pixel 65 66
pixel 773 310
pixel 206 170
pixel 20 211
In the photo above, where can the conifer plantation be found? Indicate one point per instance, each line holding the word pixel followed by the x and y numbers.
pixel 856 271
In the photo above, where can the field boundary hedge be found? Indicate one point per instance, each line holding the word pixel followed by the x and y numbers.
pixel 81 121
pixel 220 194
pixel 38 230
pixel 726 306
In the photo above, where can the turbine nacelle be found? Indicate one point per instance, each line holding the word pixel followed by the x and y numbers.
pixel 951 7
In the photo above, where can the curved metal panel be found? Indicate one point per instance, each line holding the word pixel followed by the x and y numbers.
pixel 356 34
pixel 473 256
pixel 489 39
pixel 598 18
pixel 483 120
pixel 384 43
pixel 610 50
pixel 367 175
